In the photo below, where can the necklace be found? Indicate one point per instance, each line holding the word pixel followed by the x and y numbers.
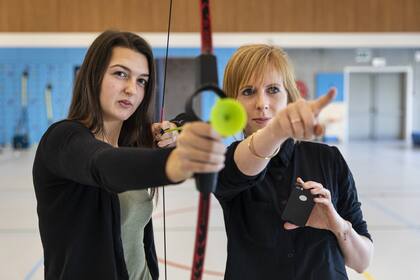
pixel 106 140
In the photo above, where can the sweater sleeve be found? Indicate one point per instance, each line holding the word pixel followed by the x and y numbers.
pixel 231 180
pixel 70 151
pixel 349 206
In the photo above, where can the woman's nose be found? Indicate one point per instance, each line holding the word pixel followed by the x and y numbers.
pixel 262 102
pixel 130 87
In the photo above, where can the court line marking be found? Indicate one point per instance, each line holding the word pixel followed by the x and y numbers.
pixel 34 269
pixel 368 276
pixel 158 215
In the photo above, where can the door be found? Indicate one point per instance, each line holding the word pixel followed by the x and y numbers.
pixel 376 106
pixel 360 106
pixel 389 114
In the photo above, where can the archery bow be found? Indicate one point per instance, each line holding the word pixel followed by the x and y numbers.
pixel 161 104
pixel 207 75
pixel 207 80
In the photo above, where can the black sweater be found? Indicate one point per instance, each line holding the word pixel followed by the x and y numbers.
pixel 258 245
pixel 76 180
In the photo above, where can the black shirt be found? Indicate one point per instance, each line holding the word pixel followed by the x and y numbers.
pixel 76 179
pixel 258 245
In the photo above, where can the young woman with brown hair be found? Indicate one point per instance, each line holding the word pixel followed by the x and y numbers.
pixel 92 171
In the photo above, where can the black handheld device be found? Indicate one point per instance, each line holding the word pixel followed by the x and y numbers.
pixel 299 206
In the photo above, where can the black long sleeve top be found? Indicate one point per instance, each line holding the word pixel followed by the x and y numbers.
pixel 77 179
pixel 258 245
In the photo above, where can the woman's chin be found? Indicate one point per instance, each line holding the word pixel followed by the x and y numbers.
pixel 259 126
pixel 124 116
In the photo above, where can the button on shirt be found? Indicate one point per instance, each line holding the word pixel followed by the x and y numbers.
pixel 258 245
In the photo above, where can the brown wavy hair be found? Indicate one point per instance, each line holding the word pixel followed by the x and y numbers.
pixel 85 106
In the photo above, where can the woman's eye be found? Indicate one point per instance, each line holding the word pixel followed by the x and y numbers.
pixel 248 91
pixel 142 82
pixel 121 74
pixel 273 90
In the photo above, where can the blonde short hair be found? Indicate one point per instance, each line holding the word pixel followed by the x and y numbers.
pixel 252 62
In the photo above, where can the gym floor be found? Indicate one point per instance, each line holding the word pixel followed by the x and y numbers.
pixel 386 175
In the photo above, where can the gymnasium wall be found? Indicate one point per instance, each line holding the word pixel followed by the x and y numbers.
pixel 227 15
pixel 55 66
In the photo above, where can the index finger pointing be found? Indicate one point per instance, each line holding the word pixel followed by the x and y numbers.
pixel 323 101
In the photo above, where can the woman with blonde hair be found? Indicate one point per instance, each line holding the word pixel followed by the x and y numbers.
pixel 262 170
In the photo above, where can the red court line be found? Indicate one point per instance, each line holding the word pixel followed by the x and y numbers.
pixel 175 212
pixel 188 268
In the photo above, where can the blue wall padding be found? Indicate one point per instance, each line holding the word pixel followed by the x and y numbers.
pixel 56 66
